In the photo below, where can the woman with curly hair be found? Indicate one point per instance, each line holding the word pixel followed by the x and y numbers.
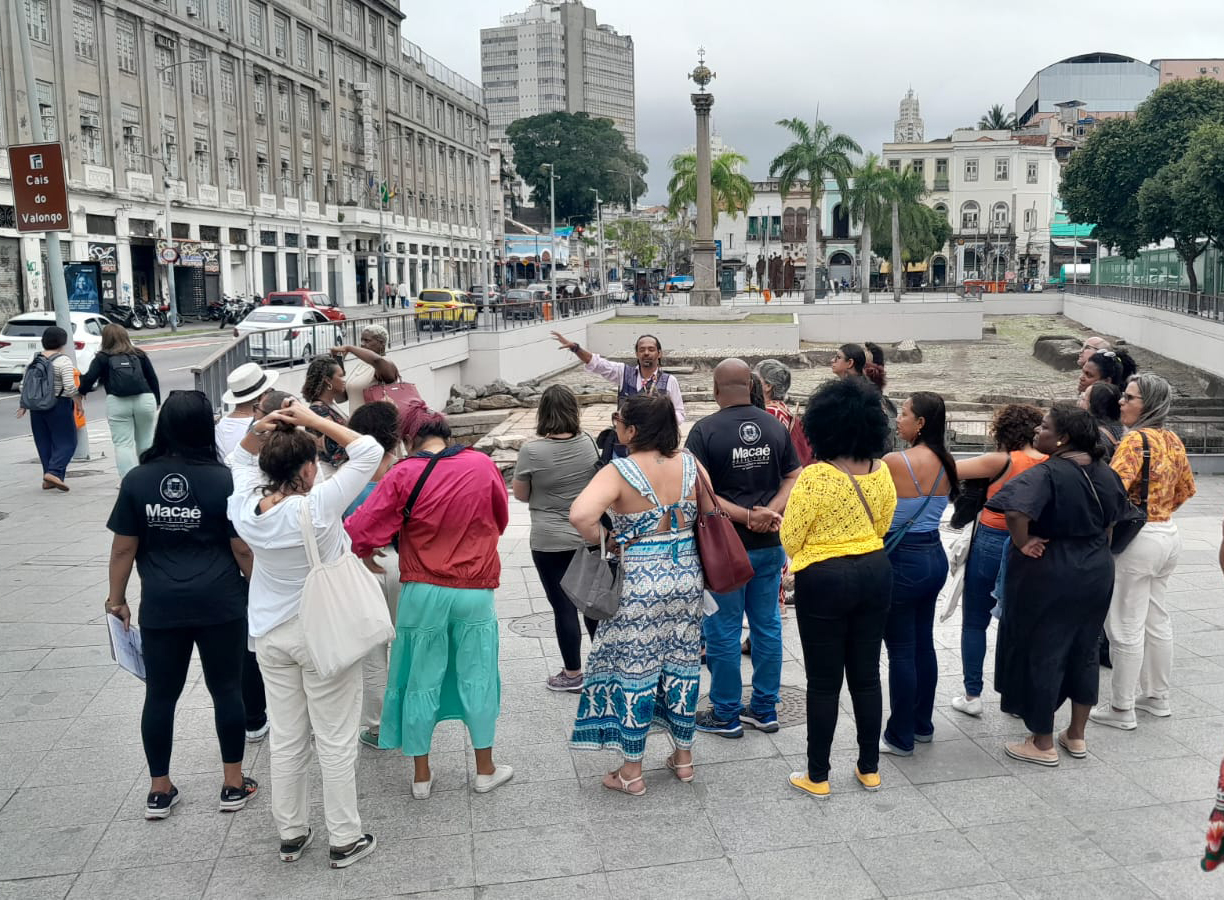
pixel 1060 575
pixel 833 532
pixel 323 388
pixel 1013 429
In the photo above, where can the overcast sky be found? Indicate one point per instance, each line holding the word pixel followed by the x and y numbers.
pixel 782 58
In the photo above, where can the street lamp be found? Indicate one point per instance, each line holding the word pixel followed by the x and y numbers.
pixel 603 263
pixel 552 224
pixel 171 290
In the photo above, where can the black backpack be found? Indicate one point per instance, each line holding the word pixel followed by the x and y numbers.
pixel 126 377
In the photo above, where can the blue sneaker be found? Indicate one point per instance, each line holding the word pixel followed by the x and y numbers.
pixel 711 724
pixel 766 722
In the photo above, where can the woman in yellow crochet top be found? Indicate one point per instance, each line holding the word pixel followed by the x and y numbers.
pixel 833 532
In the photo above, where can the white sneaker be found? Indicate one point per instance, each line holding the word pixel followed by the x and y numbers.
pixel 421 789
pixel 258 734
pixel 968 707
pixel 1105 714
pixel 888 748
pixel 1154 706
pixel 486 783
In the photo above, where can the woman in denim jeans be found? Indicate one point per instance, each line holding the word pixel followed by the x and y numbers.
pixel 925 478
pixel 1013 428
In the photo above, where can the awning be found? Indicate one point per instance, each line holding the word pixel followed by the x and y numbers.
pixel 1072 244
pixel 886 267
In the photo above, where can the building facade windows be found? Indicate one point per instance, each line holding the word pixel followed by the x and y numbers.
pixel 229 93
pixel 233 173
pixel 256 23
pixel 304 111
pixel 971 170
pixel 164 59
pixel 1030 220
pixel 170 147
pixel 302 48
pixel 1030 172
pixel 1000 218
pixel 201 154
pixel 260 98
pixel 969 217
pixel 84 31
pixel 91 130
pixel 1002 169
pixel 282 102
pixel 225 15
pixel 38 20
pixel 199 71
pixel 280 36
pixel 918 166
pixel 133 140
pixel 125 45
pixel 45 92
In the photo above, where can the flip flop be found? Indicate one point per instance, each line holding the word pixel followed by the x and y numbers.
pixel 671 764
pixel 623 787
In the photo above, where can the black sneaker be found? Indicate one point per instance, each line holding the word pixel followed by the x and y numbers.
pixel 235 798
pixel 711 724
pixel 291 851
pixel 342 857
pixel 159 804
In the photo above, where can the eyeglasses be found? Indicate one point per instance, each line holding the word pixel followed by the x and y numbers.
pixel 1128 398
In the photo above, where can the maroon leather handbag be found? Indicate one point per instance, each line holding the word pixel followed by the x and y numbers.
pixel 723 557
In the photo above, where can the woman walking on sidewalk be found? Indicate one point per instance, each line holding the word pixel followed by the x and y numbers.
pixel 170 519
pixel 132 394
pixel 50 378
pixel 550 474
pixel 275 471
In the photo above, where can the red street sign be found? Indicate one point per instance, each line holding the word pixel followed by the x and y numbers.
pixel 40 190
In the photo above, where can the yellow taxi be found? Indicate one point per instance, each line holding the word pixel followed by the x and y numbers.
pixel 444 308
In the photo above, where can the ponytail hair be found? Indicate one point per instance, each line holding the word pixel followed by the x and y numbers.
pixel 930 408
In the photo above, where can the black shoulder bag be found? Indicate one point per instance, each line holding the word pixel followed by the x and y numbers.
pixel 972 497
pixel 420 484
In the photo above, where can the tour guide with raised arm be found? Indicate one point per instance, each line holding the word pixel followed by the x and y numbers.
pixel 644 378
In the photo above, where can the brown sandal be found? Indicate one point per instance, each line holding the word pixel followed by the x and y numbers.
pixel 623 786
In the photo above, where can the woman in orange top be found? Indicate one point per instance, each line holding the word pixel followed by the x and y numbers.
pixel 1139 627
pixel 1013 429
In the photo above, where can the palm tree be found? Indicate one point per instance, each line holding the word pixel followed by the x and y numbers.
pixel 731 192
pixel 868 201
pixel 906 189
pixel 815 153
pixel 997 120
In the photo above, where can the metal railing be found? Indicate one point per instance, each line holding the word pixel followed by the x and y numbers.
pixel 1203 306
pixel 1198 436
pixel 295 345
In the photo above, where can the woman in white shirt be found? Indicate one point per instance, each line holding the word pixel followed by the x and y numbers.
pixel 274 471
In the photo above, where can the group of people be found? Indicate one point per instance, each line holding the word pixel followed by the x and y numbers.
pixel 225 520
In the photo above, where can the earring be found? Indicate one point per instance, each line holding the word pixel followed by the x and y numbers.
pixel 1058 443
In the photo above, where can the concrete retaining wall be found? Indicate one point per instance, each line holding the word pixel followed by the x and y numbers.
pixel 957 320
pixel 1044 304
pixel 611 339
pixel 433 366
pixel 1191 340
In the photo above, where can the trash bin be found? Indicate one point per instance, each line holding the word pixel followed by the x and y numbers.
pixel 767 295
pixel 547 312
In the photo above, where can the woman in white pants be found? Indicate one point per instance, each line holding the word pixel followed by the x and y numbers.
pixel 274 469
pixel 1139 627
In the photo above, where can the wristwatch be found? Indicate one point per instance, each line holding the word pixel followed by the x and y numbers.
pixel 574 348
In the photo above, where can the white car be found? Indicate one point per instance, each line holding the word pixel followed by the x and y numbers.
pixel 287 333
pixel 21 338
pixel 616 290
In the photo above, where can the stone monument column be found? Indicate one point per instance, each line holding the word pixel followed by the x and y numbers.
pixel 705 275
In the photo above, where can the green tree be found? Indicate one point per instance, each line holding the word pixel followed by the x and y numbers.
pixel 585 152
pixel 906 188
pixel 673 239
pixel 635 238
pixel 1204 162
pixel 869 205
pixel 731 192
pixel 816 153
pixel 996 120
pixel 1171 206
pixel 928 233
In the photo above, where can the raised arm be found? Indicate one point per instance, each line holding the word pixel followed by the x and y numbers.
pixel 385 370
pixel 573 347
pixel 988 465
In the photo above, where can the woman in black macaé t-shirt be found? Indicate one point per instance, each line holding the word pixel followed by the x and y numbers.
pixel 170 519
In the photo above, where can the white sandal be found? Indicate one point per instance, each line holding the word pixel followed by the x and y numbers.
pixel 676 767
pixel 624 784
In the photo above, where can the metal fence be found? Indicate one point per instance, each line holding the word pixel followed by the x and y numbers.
pixel 1198 436
pixel 1203 306
pixel 295 345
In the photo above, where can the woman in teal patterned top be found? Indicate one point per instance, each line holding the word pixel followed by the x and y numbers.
pixel 644 666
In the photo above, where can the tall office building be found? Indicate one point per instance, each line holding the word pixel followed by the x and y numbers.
pixel 907 129
pixel 555 57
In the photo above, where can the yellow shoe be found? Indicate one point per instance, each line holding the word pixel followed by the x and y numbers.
pixel 870 781
pixel 800 781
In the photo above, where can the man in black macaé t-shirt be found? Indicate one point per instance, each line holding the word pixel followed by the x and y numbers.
pixel 752 466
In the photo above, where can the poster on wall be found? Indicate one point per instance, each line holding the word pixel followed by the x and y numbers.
pixel 82 282
pixel 108 271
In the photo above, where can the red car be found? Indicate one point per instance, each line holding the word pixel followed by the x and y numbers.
pixel 309 299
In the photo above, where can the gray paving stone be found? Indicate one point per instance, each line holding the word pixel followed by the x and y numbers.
pixel 755 827
pixel 187 881
pixel 932 861
pixel 530 854
pixel 986 801
pixel 28 737
pixel 1086 789
pixel 833 871
pixel 21 660
pixel 731 783
pixel 265 877
pixel 1037 847
pixel 56 805
pixel 539 762
pixel 955 760
pixel 856 815
pixel 588 887
pixel 529 804
pixel 998 890
pixel 1100 884
pixel 54 887
pixel 711 879
pixel 1203 736
pixel 104 731
pixel 80 766
pixel 1173 780
pixel 1145 835
pixel 410 865
pixel 1177 880
pixel 22 707
pixel 657 840
pixel 48 851
pixel 178 839
pixel 18 766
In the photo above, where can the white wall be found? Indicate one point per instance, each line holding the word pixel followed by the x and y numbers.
pixel 610 339
pixel 1044 304
pixel 958 320
pixel 1193 341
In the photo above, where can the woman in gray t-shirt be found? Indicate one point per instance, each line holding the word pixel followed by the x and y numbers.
pixel 550 473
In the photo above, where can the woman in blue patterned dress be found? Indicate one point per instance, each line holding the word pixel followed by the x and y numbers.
pixel 644 667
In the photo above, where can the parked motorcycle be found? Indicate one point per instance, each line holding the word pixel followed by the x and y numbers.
pixel 148 313
pixel 125 316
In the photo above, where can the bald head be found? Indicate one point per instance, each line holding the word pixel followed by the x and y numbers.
pixel 732 383
pixel 1092 345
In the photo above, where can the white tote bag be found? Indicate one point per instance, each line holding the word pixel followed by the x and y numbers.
pixel 344 614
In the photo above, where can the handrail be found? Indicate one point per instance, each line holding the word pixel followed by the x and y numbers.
pixel 1201 306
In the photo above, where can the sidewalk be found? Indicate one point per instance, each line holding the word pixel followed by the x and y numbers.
pixel 958 819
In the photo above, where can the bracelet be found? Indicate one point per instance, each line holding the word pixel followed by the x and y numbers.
pixel 574 348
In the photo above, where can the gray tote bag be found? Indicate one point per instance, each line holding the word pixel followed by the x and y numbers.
pixel 590 583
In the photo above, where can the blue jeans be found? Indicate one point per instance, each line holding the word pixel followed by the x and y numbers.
pixel 981 571
pixel 998 592
pixel 55 436
pixel 759 599
pixel 920 568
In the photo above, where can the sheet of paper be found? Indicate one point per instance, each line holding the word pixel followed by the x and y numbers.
pixel 126 647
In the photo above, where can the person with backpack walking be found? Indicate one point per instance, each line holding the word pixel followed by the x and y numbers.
pixel 49 394
pixel 132 394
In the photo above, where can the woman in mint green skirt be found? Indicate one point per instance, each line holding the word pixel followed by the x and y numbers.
pixel 449 506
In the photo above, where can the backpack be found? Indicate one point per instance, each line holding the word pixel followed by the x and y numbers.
pixel 39 391
pixel 125 377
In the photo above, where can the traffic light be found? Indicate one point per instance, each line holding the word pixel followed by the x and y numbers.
pixel 578 230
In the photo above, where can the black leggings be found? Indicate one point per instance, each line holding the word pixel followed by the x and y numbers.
pixel 551 564
pixel 253 698
pixel 841 605
pixel 167 653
